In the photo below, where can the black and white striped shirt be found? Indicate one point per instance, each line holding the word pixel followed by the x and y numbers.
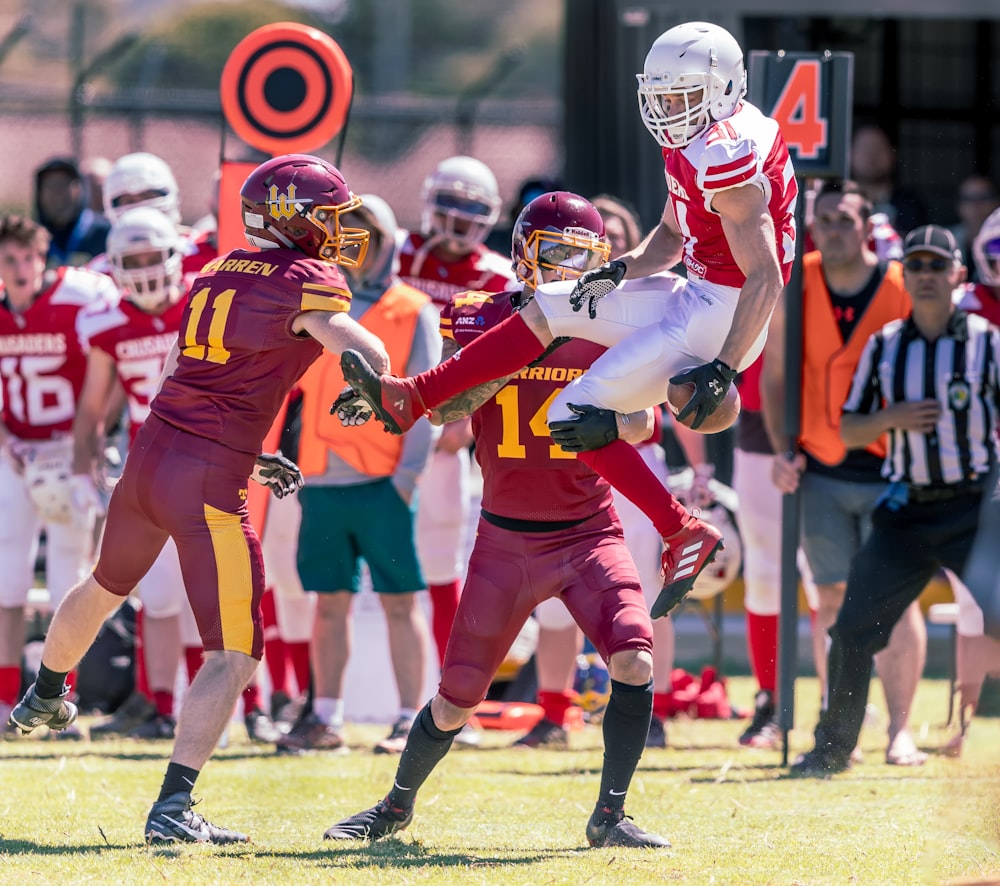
pixel 959 370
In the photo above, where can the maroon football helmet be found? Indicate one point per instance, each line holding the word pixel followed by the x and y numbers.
pixel 297 201
pixel 560 232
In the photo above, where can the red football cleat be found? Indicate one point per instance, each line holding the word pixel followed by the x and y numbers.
pixel 686 553
pixel 395 400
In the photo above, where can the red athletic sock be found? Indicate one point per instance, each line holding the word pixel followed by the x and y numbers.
pixel 194 658
pixel 444 605
pixel 275 653
pixel 10 684
pixel 141 674
pixel 555 705
pixel 164 701
pixel 499 351
pixel 251 699
pixel 622 466
pixel 762 640
pixel 299 655
pixel 663 705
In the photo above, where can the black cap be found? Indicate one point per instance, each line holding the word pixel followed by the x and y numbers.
pixel 59 164
pixel 932 238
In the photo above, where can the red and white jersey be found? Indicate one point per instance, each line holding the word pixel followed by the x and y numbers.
pixel 977 298
pixel 482 270
pixel 138 344
pixel 746 148
pixel 43 358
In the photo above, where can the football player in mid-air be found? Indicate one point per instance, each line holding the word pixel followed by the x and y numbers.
pixel 255 322
pixel 548 531
pixel 729 216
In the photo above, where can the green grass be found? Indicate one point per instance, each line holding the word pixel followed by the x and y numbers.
pixel 73 813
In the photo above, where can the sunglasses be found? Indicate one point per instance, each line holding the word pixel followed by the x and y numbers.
pixel 935 265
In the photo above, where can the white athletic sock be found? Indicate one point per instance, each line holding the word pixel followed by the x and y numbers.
pixel 329 711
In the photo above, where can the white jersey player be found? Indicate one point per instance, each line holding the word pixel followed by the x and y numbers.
pixel 42 364
pixel 729 216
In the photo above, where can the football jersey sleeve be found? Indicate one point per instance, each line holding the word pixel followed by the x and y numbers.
pixel 728 161
pixel 321 286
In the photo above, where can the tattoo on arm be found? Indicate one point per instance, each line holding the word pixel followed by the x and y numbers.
pixel 467 402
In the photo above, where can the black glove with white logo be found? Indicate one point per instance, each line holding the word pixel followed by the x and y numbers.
pixel 279 474
pixel 592 430
pixel 594 285
pixel 711 382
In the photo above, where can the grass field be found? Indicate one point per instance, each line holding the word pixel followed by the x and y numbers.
pixel 73 812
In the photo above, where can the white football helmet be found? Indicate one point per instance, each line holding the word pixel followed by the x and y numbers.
pixel 461 202
pixel 145 252
pixel 986 250
pixel 141 179
pixel 48 469
pixel 701 62
pixel 723 570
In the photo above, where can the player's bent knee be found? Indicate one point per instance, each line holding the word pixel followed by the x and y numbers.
pixel 447 716
pixel 633 666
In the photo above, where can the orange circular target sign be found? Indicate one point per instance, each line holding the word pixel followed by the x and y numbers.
pixel 286 88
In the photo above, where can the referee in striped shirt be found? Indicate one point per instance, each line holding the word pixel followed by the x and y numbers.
pixel 931 383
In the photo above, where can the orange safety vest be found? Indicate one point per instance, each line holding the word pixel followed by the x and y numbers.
pixel 829 363
pixel 368 449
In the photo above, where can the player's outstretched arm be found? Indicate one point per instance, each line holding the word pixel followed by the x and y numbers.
pixel 659 251
pixel 338 333
pixel 750 234
pixel 464 404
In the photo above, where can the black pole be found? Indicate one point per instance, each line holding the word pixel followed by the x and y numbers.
pixel 788 621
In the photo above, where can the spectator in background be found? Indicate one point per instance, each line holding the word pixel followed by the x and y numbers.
pixel 978 197
pixel 78 233
pixel 500 237
pixel 621 221
pixel 847 294
pixel 874 168
pixel 95 172
pixel 357 503
pixel 930 382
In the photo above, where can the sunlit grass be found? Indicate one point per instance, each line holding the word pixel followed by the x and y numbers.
pixel 73 813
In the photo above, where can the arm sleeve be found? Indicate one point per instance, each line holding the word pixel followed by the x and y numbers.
pixel 864 395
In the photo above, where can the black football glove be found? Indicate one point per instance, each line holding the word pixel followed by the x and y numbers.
pixel 593 285
pixel 279 474
pixel 711 381
pixel 592 430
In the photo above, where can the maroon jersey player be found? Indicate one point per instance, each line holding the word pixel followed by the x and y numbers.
pixel 548 529
pixel 729 216
pixel 253 323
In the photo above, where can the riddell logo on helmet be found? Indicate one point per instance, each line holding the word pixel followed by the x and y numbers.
pixel 285 205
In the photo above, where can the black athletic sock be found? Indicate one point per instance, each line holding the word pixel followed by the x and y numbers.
pixel 425 748
pixel 49 684
pixel 626 724
pixel 178 779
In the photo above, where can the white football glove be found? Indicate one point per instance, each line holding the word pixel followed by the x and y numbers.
pixel 352 409
pixel 279 474
pixel 86 501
